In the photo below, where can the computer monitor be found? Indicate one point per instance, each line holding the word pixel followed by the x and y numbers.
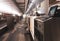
pixel 53 10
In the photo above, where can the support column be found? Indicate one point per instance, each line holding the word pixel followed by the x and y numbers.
pixel 45 6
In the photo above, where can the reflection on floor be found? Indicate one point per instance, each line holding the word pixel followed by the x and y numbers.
pixel 16 34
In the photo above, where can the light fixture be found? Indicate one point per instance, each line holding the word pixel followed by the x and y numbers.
pixel 0 13
pixel 32 5
pixel 8 6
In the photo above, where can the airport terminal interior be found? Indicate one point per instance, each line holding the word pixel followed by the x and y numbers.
pixel 29 20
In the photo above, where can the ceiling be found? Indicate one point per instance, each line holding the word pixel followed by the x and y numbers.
pixel 21 4
pixel 20 1
pixel 8 6
pixel 51 2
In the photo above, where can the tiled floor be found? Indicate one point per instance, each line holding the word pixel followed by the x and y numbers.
pixel 17 34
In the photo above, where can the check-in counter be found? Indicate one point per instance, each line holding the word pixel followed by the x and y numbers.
pixel 47 29
pixel 3 25
pixel 40 24
pixel 3 22
pixel 6 21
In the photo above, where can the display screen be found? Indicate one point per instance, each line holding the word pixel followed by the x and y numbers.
pixel 52 10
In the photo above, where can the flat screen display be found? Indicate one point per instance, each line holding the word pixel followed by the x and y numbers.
pixel 52 10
